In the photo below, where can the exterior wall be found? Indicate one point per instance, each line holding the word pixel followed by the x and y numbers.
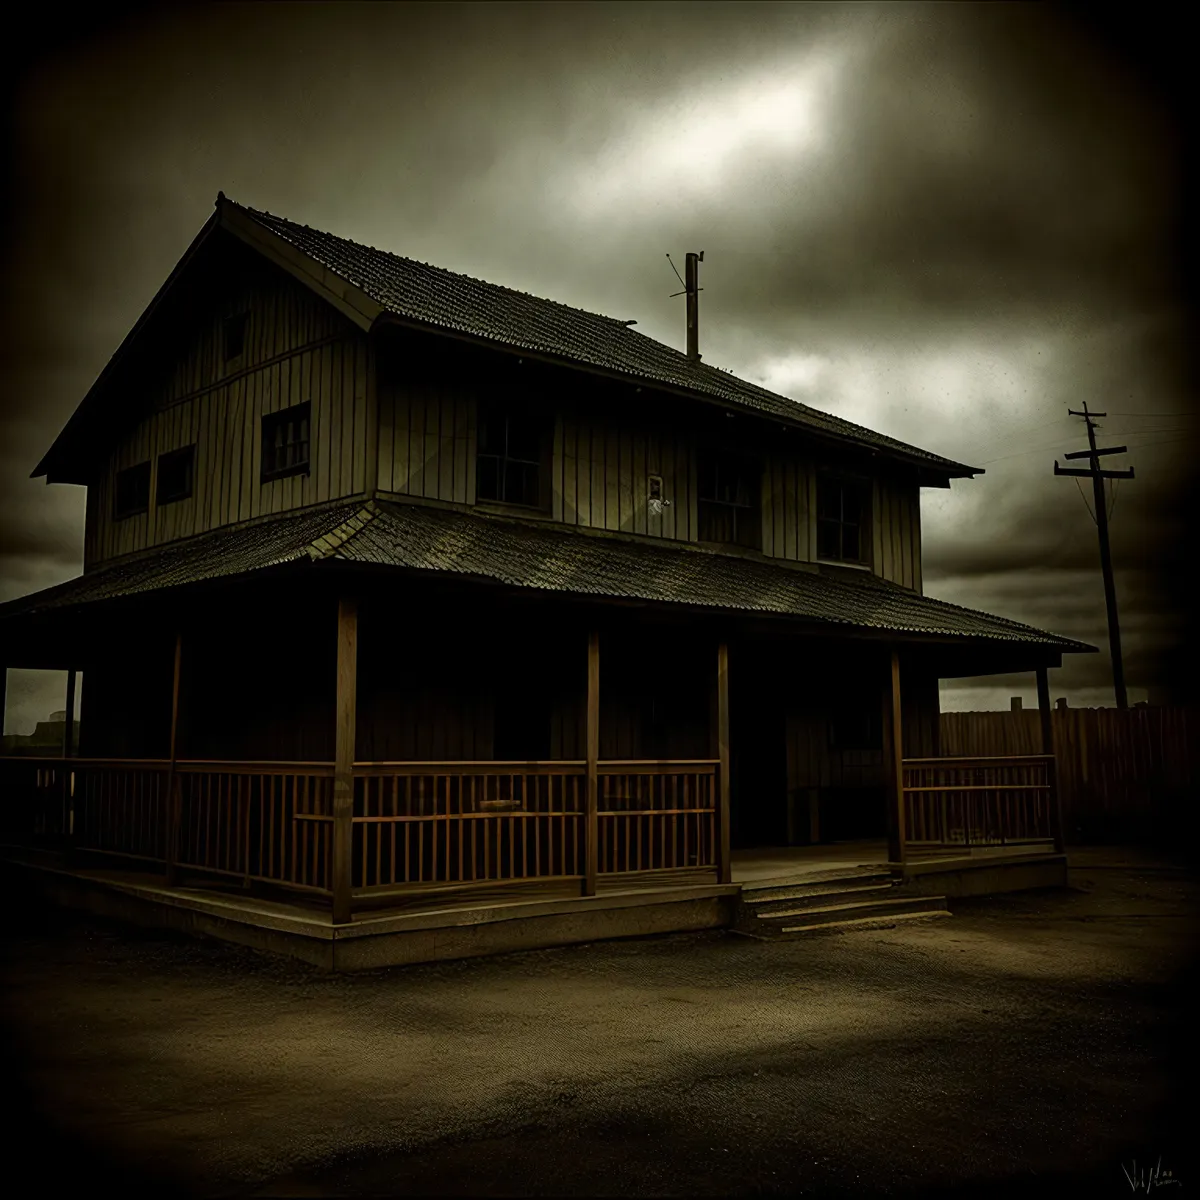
pixel 297 349
pixel 600 468
pixel 427 432
pixel 601 473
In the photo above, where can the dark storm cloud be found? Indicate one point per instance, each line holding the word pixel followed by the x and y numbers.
pixel 948 222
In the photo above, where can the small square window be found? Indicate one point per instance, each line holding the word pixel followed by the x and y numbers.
pixel 133 491
pixel 285 445
pixel 175 475
pixel 233 335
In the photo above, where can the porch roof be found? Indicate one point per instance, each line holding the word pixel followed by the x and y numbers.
pixel 533 554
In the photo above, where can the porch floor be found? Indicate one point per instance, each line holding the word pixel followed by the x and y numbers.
pixel 785 864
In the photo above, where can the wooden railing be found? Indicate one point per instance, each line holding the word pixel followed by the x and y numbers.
pixel 414 824
pixel 964 802
pixel 656 816
pixel 427 823
pixel 269 822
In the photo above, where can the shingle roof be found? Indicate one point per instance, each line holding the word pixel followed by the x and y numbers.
pixel 224 552
pixel 531 554
pixel 434 296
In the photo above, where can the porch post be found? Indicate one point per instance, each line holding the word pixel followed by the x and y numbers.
pixel 174 804
pixel 68 815
pixel 591 823
pixel 893 761
pixel 1056 814
pixel 343 765
pixel 723 863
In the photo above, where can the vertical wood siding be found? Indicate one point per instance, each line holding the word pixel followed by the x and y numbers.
pixel 600 470
pixel 427 438
pixel 297 349
pixel 896 532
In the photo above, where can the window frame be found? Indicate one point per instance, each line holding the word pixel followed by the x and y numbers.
pixel 864 487
pixel 123 513
pixel 295 412
pixel 160 500
pixel 542 426
pixel 706 506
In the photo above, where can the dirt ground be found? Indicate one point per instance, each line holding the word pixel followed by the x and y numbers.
pixel 1033 1043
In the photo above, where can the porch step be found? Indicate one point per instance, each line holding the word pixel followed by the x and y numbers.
pixel 866 899
pixel 798 898
pixel 856 924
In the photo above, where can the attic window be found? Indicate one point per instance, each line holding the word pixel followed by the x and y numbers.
pixel 175 476
pixel 133 491
pixel 285 446
pixel 233 335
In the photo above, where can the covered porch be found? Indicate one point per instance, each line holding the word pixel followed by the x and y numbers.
pixel 360 740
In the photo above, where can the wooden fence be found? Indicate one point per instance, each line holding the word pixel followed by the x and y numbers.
pixel 1118 771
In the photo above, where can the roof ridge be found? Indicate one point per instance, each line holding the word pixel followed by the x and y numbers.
pixel 419 262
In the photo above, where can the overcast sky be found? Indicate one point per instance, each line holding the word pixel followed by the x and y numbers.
pixel 948 223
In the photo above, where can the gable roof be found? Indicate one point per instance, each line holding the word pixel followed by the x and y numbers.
pixel 546 558
pixel 374 287
pixel 435 297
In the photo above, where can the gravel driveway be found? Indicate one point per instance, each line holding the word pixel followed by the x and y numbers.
pixel 1036 1042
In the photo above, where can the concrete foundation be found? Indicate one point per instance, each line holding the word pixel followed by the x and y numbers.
pixel 448 929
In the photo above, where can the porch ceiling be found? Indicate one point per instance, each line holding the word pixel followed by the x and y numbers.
pixel 536 555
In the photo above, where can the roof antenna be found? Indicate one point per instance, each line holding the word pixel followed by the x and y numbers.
pixel 691 289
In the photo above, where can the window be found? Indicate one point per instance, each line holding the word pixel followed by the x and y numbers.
pixel 728 500
pixel 233 335
pixel 509 467
pixel 175 475
pixel 842 508
pixel 133 491
pixel 285 443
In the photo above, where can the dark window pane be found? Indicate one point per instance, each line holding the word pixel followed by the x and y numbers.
pixel 132 494
pixel 828 541
pixel 842 506
pixel 175 472
pixel 508 466
pixel 487 478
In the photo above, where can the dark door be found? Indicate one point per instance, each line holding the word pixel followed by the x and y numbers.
pixel 757 756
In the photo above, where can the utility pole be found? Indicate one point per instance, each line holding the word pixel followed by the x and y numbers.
pixel 1097 476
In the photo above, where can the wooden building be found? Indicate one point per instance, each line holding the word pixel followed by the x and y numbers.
pixel 398 582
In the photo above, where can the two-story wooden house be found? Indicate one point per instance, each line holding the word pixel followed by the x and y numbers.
pixel 397 582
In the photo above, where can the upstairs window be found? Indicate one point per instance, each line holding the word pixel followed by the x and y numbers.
pixel 133 491
pixel 233 335
pixel 285 446
pixel 842 509
pixel 176 476
pixel 728 500
pixel 510 467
